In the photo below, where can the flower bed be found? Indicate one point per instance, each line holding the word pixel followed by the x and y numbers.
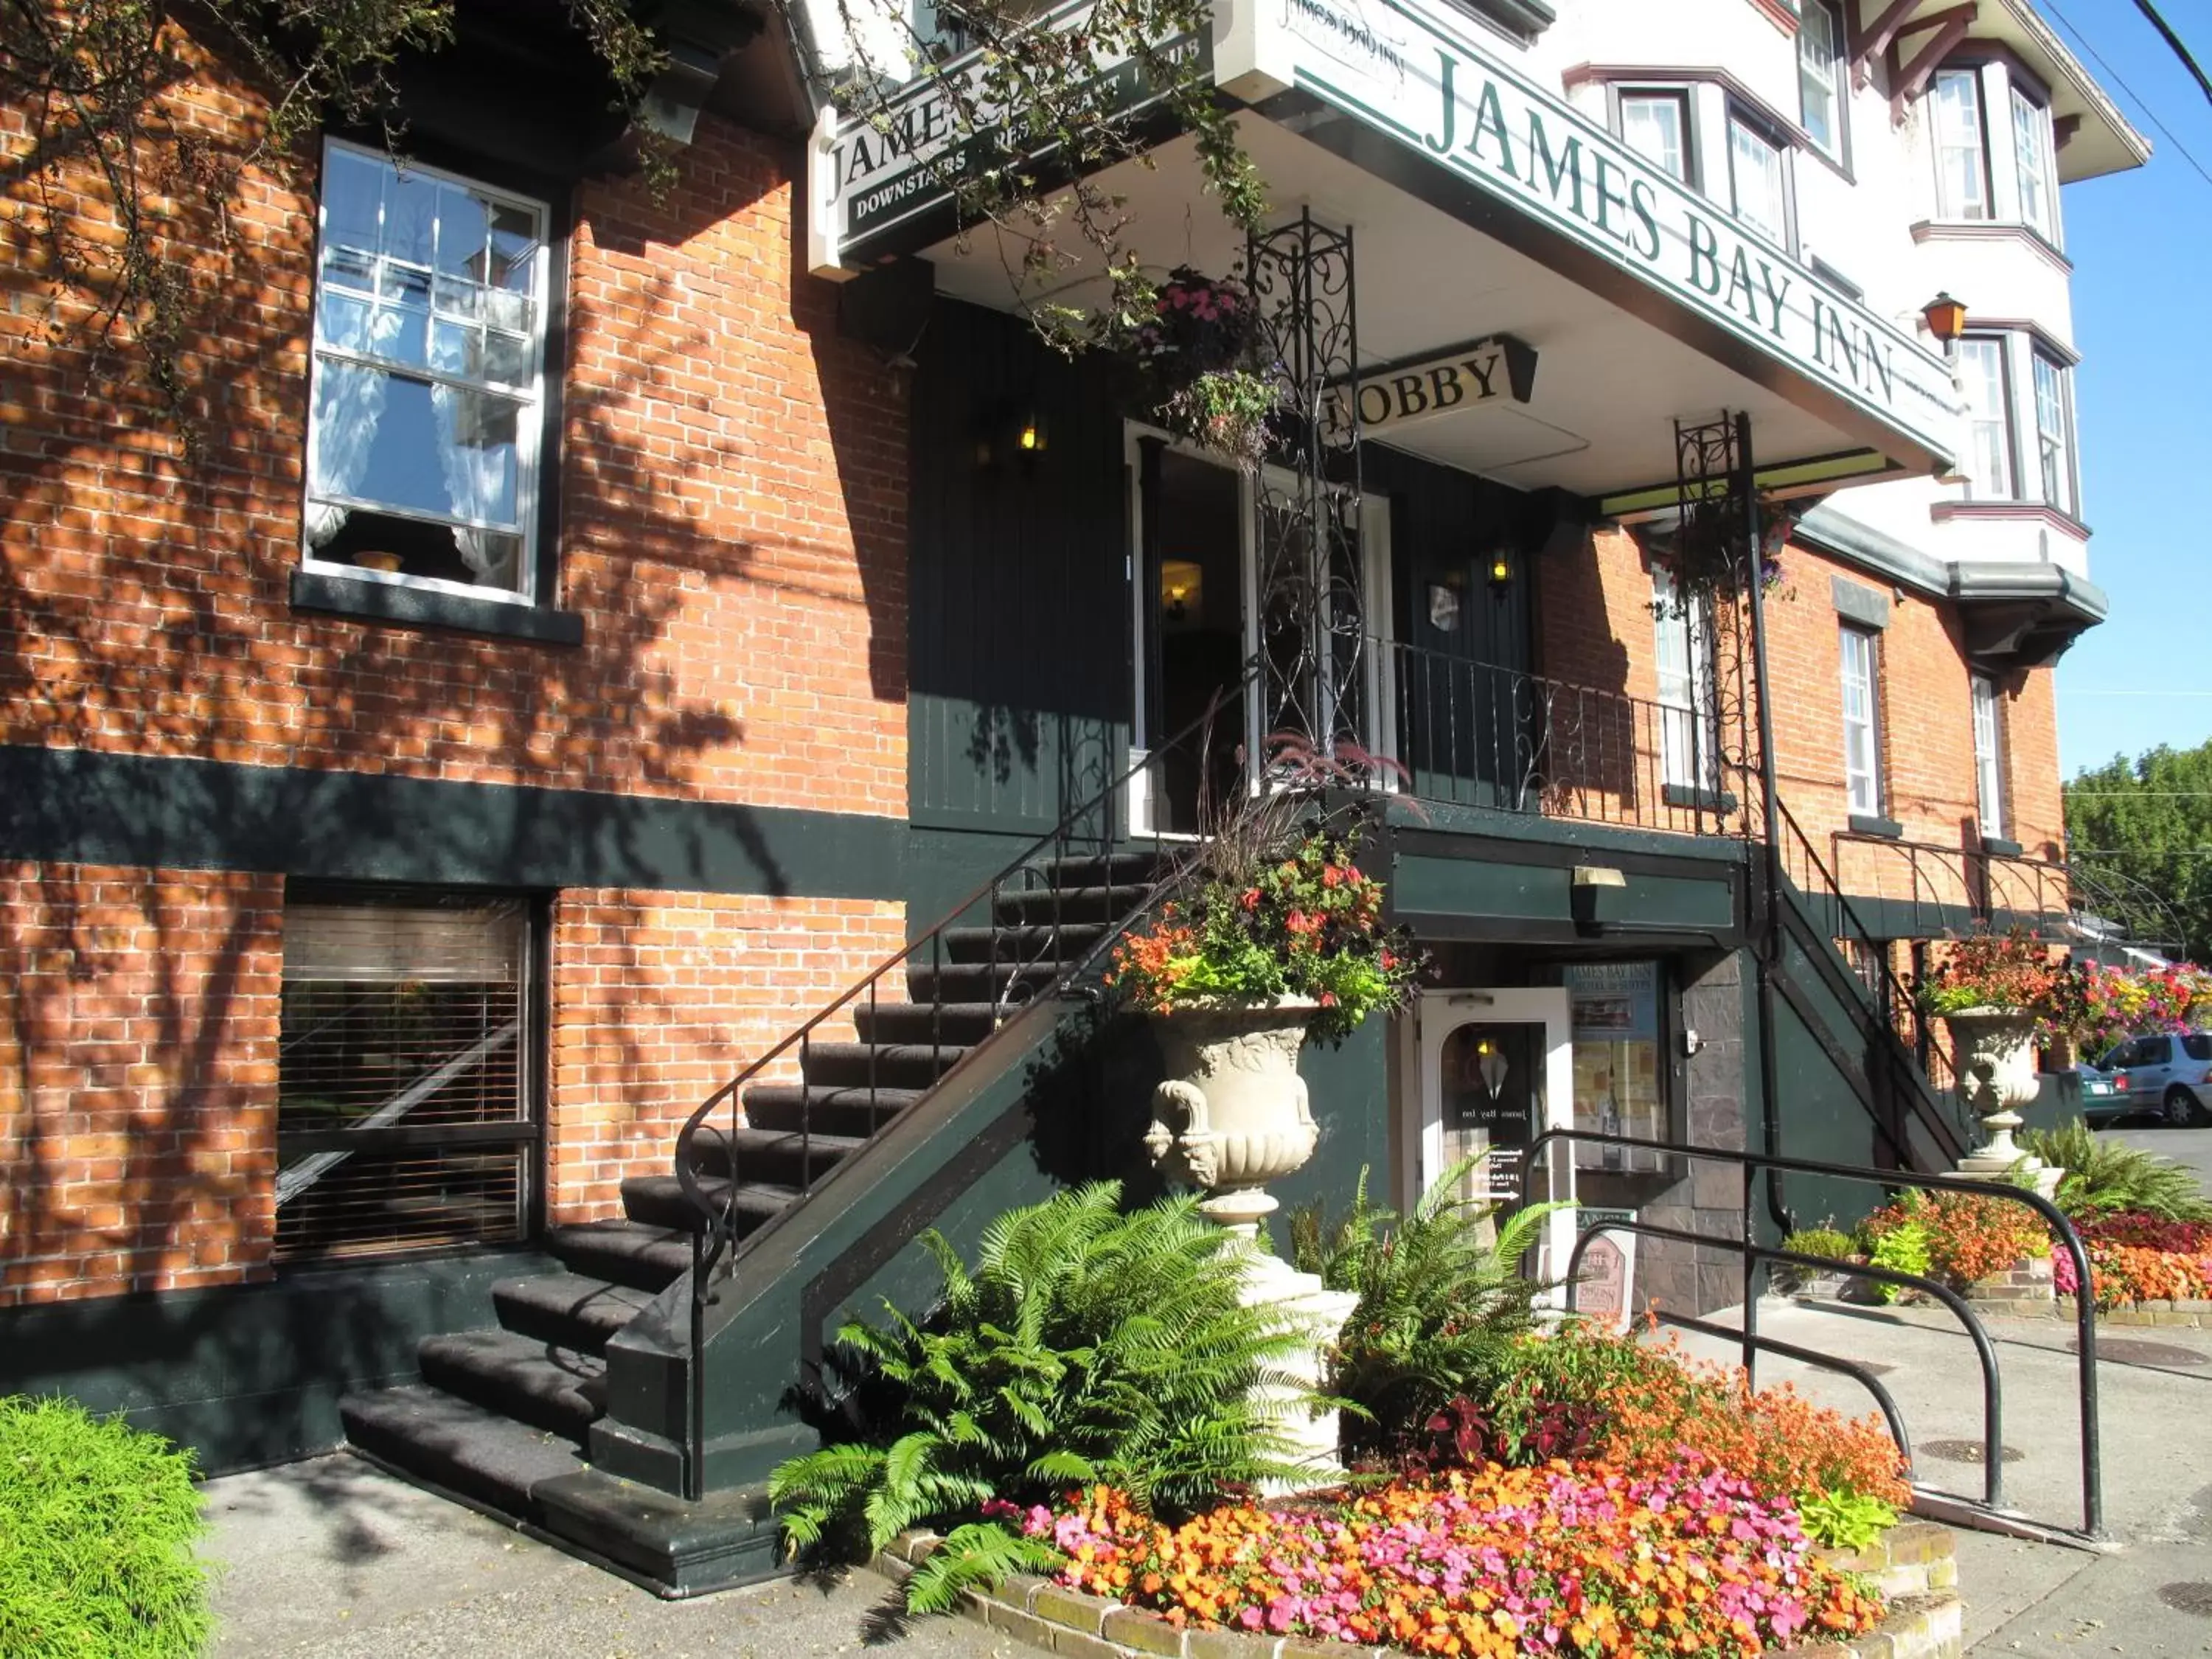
pixel 2139 1258
pixel 1562 1559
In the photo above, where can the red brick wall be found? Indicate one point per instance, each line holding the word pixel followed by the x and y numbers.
pixel 138 1017
pixel 659 999
pixel 733 524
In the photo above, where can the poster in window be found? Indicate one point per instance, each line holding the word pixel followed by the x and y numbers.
pixel 1614 1012
pixel 1605 1282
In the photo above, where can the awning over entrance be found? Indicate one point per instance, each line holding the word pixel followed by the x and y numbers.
pixel 1509 220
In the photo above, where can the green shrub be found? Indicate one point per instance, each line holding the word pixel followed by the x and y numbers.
pixel 1086 1345
pixel 1826 1242
pixel 97 1523
pixel 1440 1304
pixel 1844 1520
pixel 1903 1248
pixel 2105 1176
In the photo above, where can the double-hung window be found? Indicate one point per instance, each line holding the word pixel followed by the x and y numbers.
pixel 1962 160
pixel 1758 176
pixel 1820 76
pixel 2032 165
pixel 1689 738
pixel 429 376
pixel 1989 759
pixel 1989 403
pixel 2054 432
pixel 1861 721
pixel 1656 124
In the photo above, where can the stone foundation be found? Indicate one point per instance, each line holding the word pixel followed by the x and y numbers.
pixel 1913 1565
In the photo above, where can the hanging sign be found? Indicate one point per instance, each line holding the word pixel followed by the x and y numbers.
pixel 1490 371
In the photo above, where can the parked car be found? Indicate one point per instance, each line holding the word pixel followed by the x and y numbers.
pixel 2103 1098
pixel 2166 1073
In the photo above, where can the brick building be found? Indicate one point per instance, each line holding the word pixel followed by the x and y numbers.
pixel 602 630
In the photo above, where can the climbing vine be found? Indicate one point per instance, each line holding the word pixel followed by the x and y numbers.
pixel 110 164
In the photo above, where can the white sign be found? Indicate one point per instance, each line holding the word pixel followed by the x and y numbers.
pixel 1488 372
pixel 1405 68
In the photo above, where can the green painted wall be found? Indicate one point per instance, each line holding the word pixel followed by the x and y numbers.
pixel 250 1375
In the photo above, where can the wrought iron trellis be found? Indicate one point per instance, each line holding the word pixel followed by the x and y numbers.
pixel 1307 499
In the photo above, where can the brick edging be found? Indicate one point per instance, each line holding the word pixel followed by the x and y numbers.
pixel 1914 1565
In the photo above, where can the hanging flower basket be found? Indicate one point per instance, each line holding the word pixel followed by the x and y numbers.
pixel 1196 356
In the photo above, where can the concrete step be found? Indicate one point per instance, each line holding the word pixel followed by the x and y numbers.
pixel 570 1310
pixel 458 1446
pixel 550 1388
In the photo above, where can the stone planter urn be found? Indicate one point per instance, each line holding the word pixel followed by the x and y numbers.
pixel 1231 1115
pixel 1996 1076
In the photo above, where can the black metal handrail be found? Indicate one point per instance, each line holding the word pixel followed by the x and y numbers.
pixel 1883 996
pixel 1023 872
pixel 1477 733
pixel 1757 1258
pixel 1988 887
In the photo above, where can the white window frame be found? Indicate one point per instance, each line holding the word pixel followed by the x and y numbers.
pixel 1989 757
pixel 1986 422
pixel 1680 99
pixel 529 419
pixel 1742 131
pixel 1820 21
pixel 1682 658
pixel 2035 172
pixel 2050 396
pixel 1945 142
pixel 1861 675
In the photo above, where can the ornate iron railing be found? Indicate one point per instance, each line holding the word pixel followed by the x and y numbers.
pixel 1946 885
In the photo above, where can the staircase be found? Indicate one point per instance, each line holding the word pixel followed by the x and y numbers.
pixel 502 1417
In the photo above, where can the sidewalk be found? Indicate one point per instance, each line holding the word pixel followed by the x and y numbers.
pixel 2155 1409
pixel 335 1558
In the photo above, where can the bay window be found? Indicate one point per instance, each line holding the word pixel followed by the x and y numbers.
pixel 2032 165
pixel 1820 76
pixel 1656 124
pixel 1962 163
pixel 2054 432
pixel 1759 177
pixel 427 401
pixel 1989 403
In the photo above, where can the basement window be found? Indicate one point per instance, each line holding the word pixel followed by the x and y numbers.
pixel 404 1076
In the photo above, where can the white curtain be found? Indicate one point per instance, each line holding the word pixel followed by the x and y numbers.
pixel 348 404
pixel 476 479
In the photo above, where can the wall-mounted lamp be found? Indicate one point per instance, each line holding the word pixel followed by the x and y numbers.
pixel 1017 433
pixel 1946 319
pixel 1183 591
pixel 1030 439
pixel 1501 572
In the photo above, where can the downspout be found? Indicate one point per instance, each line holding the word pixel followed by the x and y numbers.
pixel 1768 955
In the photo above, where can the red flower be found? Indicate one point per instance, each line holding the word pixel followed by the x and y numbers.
pixel 1327 999
pixel 1251 899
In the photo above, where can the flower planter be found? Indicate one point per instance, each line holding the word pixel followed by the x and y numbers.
pixel 1996 1076
pixel 1232 1113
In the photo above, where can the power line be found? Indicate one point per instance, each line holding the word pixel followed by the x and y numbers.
pixel 2149 114
pixel 2174 40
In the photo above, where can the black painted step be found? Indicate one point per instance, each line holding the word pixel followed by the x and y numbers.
pixel 976 982
pixel 778 1157
pixel 451 1442
pixel 567 1308
pixel 1039 941
pixel 644 1258
pixel 913 1023
pixel 661 1201
pixel 549 1387
pixel 1134 868
pixel 888 1065
pixel 850 1111
pixel 1066 904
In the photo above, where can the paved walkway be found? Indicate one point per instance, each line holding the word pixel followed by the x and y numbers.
pixel 2037 1599
pixel 336 1558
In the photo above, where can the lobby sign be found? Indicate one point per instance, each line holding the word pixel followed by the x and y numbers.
pixel 1492 370
pixel 1399 66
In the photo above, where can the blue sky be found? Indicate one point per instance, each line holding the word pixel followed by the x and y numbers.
pixel 2141 243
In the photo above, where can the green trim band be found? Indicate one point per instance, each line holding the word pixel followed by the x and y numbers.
pixel 81 806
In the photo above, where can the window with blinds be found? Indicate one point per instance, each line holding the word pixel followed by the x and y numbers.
pixel 404 1086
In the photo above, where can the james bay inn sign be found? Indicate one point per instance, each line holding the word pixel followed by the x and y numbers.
pixel 1409 71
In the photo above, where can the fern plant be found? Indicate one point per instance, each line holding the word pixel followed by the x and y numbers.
pixel 2109 1177
pixel 1440 1302
pixel 1086 1347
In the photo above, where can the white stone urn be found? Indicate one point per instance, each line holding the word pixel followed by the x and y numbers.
pixel 1232 1113
pixel 1996 1076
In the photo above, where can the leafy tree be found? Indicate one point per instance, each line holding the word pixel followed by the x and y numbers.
pixel 2140 838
